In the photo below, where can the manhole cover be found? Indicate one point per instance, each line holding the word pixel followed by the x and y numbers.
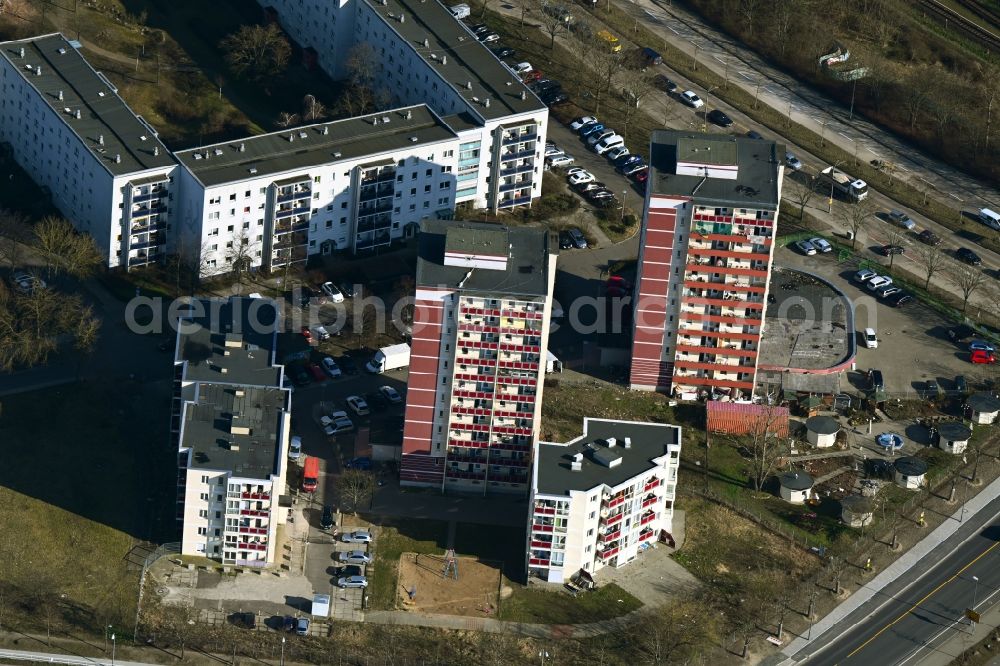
pixel 163 591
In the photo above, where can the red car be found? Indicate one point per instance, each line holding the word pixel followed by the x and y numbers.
pixel 532 76
pixel 640 176
pixel 306 333
pixel 982 356
pixel 316 372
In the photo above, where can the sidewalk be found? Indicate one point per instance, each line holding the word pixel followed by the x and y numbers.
pixel 561 631
pixel 897 569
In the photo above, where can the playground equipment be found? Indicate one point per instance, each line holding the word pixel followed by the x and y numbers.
pixel 450 564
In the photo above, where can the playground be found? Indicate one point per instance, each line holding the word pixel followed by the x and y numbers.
pixel 470 588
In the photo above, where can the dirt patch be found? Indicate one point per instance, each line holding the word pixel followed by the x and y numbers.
pixel 473 594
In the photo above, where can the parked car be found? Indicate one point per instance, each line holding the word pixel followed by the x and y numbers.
pixel 314 370
pixel 982 357
pixel 981 345
pixel 522 68
pixel 968 256
pixel 805 247
pixel 586 187
pixel 361 462
pixel 347 364
pixel 630 162
pixel 332 292
pixel 565 241
pixel 553 97
pixel 322 333
pixel 302 626
pixel 336 423
pixel 719 117
pixel 295 447
pixel 899 299
pixel 288 623
pixel 635 167
pixel 354 557
pixel 961 332
pixel 961 385
pixel 560 160
pixel 306 333
pixel 931 390
pixel 864 275
pixel 326 520
pixel 609 143
pixel 615 153
pixel 533 75
pixel 579 240
pixel 358 405
pixel 691 99
pixel 901 219
pixel 578 123
pixel 594 137
pixel 821 245
pixel 754 134
pixel 391 394
pixel 489 37
pixel 640 176
pixel 929 237
pixel 541 85
pixel 590 127
pixel 793 162
pixel 503 51
pixel 878 282
pixel 875 380
pixel 353 581
pixel 357 536
pixel 889 250
pixel 887 291
pixel 331 368
pixel 245 620
pixel 580 177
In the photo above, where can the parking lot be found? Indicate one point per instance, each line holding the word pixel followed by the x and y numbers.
pixel 913 344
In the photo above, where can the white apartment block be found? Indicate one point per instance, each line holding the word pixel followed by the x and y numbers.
pixel 230 420
pixel 480 331
pixel 601 499
pixel 104 167
pixel 468 131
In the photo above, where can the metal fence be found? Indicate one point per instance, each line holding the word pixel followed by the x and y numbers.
pixel 171 548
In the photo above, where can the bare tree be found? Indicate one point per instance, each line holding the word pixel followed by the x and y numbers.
pixel 802 193
pixel 240 255
pixel 894 238
pixel 257 52
pixel 286 120
pixel 857 217
pixel 636 86
pixel 312 108
pixel 32 324
pixel 553 21
pixel 64 250
pixel 968 279
pixel 748 14
pixel 919 86
pixel 354 488
pixel 606 65
pixel 675 633
pixel 14 234
pixel 362 63
pixel 782 19
pixel 764 445
pixel 931 260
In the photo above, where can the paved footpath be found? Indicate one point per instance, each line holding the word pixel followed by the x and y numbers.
pixel 895 571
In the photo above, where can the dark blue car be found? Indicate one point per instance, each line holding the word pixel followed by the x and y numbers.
pixel 359 463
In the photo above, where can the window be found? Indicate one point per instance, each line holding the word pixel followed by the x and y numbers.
pixel 232 197
pixel 343 220
pixel 429 173
pixel 329 208
pixel 399 178
pixel 316 179
pixel 202 531
pixel 204 479
pixel 229 228
pixel 247 193
pixel 590 533
pixel 329 224
pixel 343 205
pixel 413 191
pixel 593 514
pixel 204 497
pixel 446 185
pixel 213 216
pixel 203 513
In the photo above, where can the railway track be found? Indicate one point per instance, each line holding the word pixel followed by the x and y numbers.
pixel 952 20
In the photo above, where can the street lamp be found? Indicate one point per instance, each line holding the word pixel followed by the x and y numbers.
pixel 624 194
pixel 704 116
pixel 113 645
pixel 282 651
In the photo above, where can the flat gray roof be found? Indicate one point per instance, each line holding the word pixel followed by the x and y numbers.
pixel 102 112
pixel 757 160
pixel 648 441
pixel 311 145
pixel 527 249
pixel 468 60
pixel 250 324
pixel 208 425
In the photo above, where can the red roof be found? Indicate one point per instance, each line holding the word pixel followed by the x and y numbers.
pixel 739 418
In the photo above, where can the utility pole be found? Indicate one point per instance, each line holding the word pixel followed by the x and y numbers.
pixel 853 89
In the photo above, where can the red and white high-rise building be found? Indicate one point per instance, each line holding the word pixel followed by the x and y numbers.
pixel 705 257
pixel 477 364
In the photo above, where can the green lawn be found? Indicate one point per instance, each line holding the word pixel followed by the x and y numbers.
pixel 82 482
pixel 546 606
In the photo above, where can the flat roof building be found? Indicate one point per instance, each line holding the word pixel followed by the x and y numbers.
pixel 231 419
pixel 706 248
pixel 602 498
pixel 481 325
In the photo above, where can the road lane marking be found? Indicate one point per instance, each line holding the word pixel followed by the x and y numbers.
pixel 746 76
pixel 845 136
pixel 936 636
pixel 926 597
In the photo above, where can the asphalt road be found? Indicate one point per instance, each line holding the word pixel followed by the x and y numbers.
pixel 910 622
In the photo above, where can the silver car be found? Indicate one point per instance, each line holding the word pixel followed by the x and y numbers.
pixel 353 581
pixel 355 557
pixel 357 536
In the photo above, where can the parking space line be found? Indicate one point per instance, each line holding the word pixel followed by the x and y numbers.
pixel 746 76
pixel 845 136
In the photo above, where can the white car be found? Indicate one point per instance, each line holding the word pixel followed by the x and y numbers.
pixel 864 275
pixel 570 172
pixel 553 150
pixel 295 447
pixel 321 331
pixel 522 67
pixel 391 394
pixel 691 99
pixel 26 282
pixel 581 177
pixel 353 581
pixel 336 422
pixel 580 122
pixel 334 294
pixel 331 367
pixel 878 282
pixel 615 153
pixel 354 557
pixel 357 536
pixel 358 405
pixel 613 141
pixel 820 245
pixel 560 160
pixel 596 137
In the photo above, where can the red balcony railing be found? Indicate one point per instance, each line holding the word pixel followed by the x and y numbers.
pixel 253 530
pixel 612 520
pixel 254 512
pixel 607 554
pixel 541 544
pixel 545 511
pixel 481 395
pixel 615 501
pixel 521 314
pixel 648 502
pixel 652 484
pixel 647 519
pixel 538 562
pixel 255 496
pixel 646 535
pixel 480 311
pixel 541 528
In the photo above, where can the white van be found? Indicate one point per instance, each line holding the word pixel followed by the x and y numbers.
pixel 460 11
pixel 871 341
pixel 989 218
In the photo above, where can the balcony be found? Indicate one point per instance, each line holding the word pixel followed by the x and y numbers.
pixel 256 513
pixel 293 196
pixel 147 244
pixel 519 138
pixel 647 518
pixel 542 544
pixel 535 561
pixel 255 496
pixel 510 203
pixel 370 191
pixel 613 520
pixel 519 185
pixel 646 535
pixel 285 212
pixel 252 530
pixel 375 209
pixel 382 176
pixel 655 483
pixel 615 501
pixel 517 365
pixel 146 211
pixel 607 553
pixel 545 510
pixel 517 155
pixel 143 198
pixel 148 226
pixel 513 171
pixel 649 501
pixel 293 227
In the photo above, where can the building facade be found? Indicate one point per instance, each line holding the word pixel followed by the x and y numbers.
pixel 463 130
pixel 706 249
pixel 601 499
pixel 477 361
pixel 103 166
pixel 230 421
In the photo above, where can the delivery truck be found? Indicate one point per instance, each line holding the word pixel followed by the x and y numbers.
pixel 310 475
pixel 854 189
pixel 388 358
